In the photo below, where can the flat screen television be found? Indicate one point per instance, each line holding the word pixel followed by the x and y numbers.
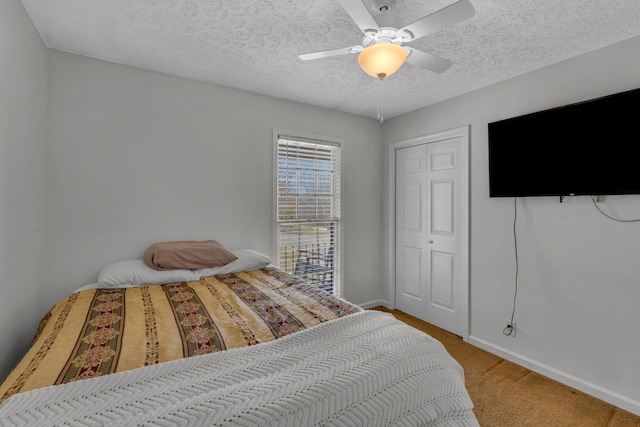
pixel 588 148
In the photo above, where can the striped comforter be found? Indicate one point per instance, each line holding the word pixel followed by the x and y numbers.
pixel 365 369
pixel 101 331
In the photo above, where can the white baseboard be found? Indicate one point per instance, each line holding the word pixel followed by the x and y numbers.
pixel 594 390
pixel 374 303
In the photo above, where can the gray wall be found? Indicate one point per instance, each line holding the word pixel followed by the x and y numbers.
pixel 137 157
pixel 23 122
pixel 579 287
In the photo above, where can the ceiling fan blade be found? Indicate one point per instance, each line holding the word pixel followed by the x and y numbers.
pixel 452 14
pixel 333 52
pixel 426 60
pixel 360 14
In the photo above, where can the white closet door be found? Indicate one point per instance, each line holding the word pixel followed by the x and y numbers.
pixel 432 233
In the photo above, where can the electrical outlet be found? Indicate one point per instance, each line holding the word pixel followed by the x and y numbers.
pixel 507 323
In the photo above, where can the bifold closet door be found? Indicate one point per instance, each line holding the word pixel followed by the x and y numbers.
pixel 431 266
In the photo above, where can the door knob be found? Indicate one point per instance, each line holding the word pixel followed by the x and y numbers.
pixel 430 241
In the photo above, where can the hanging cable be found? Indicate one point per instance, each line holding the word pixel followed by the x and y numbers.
pixel 508 330
pixel 593 199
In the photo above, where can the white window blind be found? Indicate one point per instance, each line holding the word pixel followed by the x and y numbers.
pixel 308 210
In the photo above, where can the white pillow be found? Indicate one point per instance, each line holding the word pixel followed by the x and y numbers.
pixel 85 287
pixel 126 274
pixel 247 260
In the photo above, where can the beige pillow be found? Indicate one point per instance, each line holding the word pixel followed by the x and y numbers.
pixel 187 255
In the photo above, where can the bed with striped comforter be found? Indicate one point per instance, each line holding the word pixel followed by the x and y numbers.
pixel 207 331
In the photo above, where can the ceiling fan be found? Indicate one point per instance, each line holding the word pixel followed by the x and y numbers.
pixel 381 52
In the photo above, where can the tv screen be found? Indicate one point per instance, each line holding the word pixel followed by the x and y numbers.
pixel 588 148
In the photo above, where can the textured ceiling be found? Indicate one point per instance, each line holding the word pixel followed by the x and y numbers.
pixel 254 44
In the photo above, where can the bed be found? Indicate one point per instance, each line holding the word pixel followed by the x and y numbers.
pixel 242 345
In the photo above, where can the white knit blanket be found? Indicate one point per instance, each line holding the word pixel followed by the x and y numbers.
pixel 366 369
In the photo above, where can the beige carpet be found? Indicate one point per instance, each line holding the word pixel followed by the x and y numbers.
pixel 505 394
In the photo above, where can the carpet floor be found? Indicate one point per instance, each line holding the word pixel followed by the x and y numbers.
pixel 505 394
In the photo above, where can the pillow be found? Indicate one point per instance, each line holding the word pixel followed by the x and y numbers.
pixel 127 274
pixel 85 287
pixel 189 255
pixel 247 260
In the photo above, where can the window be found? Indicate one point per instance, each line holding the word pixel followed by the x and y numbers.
pixel 308 210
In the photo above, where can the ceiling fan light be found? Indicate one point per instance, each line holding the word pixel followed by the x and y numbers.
pixel 382 59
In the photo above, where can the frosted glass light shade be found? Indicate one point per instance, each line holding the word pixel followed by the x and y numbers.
pixel 382 59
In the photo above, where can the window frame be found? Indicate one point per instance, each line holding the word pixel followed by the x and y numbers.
pixel 316 139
